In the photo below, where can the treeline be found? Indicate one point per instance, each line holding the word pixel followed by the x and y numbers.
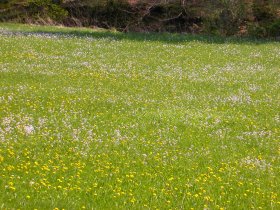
pixel 259 18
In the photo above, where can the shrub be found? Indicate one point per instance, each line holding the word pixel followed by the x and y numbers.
pixel 257 30
pixel 263 12
pixel 46 8
pixel 274 29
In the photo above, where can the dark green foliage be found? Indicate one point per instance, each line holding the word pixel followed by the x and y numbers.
pixel 46 8
pixel 34 10
pixel 263 12
pixel 256 30
pixel 113 14
pixel 227 22
pixel 274 29
pixel 221 17
pixel 172 18
pixel 266 23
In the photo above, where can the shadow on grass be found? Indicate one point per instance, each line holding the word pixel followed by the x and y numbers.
pixel 169 38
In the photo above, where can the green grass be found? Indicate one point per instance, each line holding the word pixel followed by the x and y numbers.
pixel 93 119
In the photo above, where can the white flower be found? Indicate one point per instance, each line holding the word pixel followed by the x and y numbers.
pixel 29 129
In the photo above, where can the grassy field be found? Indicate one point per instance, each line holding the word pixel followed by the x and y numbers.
pixel 93 119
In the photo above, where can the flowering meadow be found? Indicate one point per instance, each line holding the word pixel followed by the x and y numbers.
pixel 94 119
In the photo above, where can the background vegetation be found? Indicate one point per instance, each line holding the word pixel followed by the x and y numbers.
pixel 224 17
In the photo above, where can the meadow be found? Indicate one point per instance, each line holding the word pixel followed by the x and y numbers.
pixel 95 119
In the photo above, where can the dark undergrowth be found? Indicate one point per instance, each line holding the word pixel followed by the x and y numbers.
pixel 241 18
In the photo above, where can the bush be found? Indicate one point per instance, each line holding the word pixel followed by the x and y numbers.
pixel 263 12
pixel 274 29
pixel 32 11
pixel 227 23
pixel 46 8
pixel 257 30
